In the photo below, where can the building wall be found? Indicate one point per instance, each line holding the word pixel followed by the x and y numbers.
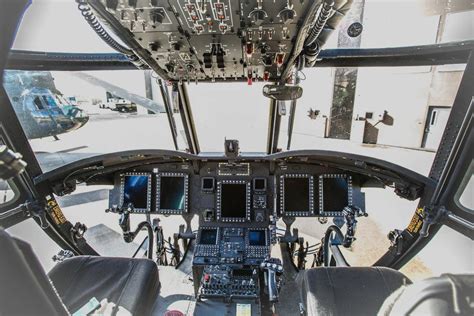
pixel 444 87
pixel 407 93
pixel 403 93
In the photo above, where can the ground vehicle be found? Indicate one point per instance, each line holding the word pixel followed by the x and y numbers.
pixel 232 242
pixel 119 104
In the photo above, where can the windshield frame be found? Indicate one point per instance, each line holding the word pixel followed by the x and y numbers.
pixel 34 170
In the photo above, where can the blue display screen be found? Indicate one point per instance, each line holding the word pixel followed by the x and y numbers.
pixel 208 237
pixel 172 193
pixel 257 238
pixel 135 191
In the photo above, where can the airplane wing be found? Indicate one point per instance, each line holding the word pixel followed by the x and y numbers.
pixel 120 92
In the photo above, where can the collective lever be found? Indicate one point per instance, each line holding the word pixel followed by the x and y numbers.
pixel 129 236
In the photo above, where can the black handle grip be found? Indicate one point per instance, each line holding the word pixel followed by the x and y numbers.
pixel 272 286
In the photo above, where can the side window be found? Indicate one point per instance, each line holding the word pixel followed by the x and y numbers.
pixel 465 195
pixel 38 103
pixel 49 101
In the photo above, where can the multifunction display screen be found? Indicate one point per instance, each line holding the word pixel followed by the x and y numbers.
pixel 208 237
pixel 135 191
pixel 257 238
pixel 335 194
pixel 297 197
pixel 172 193
pixel 234 200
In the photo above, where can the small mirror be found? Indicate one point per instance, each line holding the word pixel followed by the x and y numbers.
pixel 282 93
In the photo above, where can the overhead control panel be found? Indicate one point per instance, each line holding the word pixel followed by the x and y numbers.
pixel 195 40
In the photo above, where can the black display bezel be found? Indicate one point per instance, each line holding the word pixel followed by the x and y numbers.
pixel 254 181
pixel 208 190
pixel 308 213
pixel 158 209
pixel 219 202
pixel 338 213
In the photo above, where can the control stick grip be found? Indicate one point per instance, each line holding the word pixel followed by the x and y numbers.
pixel 272 286
pixel 272 268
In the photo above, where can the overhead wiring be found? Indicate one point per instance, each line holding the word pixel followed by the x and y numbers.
pixel 92 20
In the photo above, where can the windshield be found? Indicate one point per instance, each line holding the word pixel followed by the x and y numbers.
pixel 232 111
pixel 401 120
pixel 95 123
pixel 69 115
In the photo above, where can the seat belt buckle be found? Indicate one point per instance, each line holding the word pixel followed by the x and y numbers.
pixel 62 255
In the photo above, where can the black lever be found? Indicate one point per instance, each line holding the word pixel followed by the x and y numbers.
pixel 272 268
pixel 124 221
pixel 129 236
pixel 350 214
pixel 302 252
pixel 161 257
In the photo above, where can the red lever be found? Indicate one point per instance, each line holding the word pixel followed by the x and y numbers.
pixel 249 49
pixel 266 75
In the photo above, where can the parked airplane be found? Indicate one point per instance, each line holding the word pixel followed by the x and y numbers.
pixel 121 93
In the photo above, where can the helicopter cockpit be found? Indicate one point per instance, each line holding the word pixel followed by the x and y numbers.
pixel 228 232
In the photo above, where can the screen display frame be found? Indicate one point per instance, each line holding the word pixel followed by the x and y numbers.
pixel 265 232
pixel 148 193
pixel 333 213
pixel 216 229
pixel 167 211
pixel 219 201
pixel 308 213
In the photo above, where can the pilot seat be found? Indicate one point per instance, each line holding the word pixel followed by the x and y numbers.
pixel 382 291
pixel 347 290
pixel 129 285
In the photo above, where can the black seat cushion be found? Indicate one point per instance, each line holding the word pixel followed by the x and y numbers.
pixel 131 284
pixel 24 287
pixel 347 290
pixel 442 296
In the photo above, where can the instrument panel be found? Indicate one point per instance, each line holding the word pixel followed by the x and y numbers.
pixel 236 193
pixel 238 203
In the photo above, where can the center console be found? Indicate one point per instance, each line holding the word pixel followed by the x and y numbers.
pixel 235 237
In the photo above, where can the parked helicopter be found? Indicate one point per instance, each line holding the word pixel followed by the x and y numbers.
pixel 44 111
pixel 41 108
